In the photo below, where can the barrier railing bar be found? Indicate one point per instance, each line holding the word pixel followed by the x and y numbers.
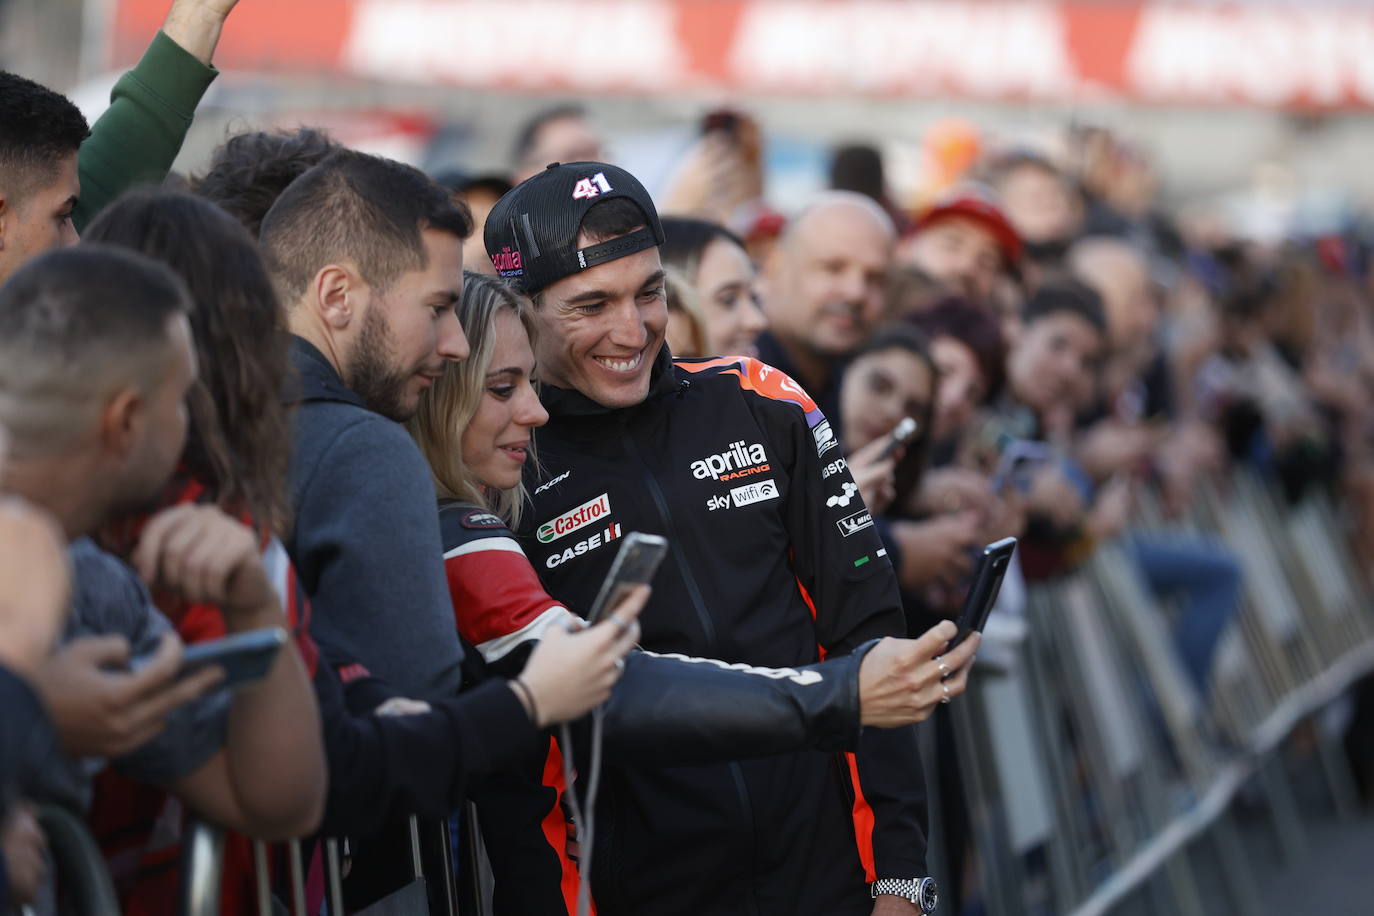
pixel 261 878
pixel 416 865
pixel 1307 698
pixel 335 870
pixel 297 868
pixel 202 868
pixel 1158 850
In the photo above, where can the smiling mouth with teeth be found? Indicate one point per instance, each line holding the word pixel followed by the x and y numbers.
pixel 621 365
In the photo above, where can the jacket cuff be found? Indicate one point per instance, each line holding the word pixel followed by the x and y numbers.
pixel 845 732
pixel 169 75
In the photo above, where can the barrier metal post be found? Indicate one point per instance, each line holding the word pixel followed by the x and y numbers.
pixel 202 868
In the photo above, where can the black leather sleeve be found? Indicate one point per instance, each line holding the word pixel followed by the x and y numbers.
pixel 671 710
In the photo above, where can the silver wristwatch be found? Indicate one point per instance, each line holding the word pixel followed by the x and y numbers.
pixel 920 891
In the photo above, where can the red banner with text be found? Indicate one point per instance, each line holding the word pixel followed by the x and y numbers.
pixel 1309 56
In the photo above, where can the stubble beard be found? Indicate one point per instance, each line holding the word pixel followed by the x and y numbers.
pixel 372 374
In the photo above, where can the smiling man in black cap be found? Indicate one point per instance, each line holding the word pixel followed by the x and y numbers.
pixel 774 561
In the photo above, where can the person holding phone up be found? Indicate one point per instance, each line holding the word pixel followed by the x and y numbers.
pixel 773 562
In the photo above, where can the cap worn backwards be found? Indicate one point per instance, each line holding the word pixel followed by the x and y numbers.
pixel 531 233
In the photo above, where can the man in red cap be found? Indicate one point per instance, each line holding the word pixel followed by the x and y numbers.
pixel 964 242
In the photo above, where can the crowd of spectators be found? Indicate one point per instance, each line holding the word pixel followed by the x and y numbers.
pixel 307 391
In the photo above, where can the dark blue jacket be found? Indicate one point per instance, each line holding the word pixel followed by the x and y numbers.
pixel 365 536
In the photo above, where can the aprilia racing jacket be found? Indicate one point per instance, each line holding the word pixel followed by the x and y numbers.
pixel 664 711
pixel 773 561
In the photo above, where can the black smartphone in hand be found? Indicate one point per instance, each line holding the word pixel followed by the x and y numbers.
pixel 982 595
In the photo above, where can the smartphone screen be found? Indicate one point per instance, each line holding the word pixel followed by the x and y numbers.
pixel 635 564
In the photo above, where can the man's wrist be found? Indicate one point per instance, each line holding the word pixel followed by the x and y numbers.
pixel 267 614
pixel 195 28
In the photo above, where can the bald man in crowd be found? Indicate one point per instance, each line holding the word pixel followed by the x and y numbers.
pixel 825 290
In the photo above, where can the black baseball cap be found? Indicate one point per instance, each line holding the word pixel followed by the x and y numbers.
pixel 531 233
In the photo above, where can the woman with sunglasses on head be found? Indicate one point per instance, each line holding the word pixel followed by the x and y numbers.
pixel 476 429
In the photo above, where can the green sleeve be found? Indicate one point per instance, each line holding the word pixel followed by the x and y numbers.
pixel 139 135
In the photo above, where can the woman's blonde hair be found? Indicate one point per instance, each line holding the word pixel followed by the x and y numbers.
pixel 684 302
pixel 447 408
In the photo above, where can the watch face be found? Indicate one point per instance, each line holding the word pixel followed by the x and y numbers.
pixel 930 895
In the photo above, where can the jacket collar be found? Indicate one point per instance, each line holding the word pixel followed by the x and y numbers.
pixel 569 402
pixel 315 379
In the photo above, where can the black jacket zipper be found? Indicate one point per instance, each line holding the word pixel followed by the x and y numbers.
pixel 709 628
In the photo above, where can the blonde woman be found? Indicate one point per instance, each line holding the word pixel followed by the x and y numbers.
pixel 476 429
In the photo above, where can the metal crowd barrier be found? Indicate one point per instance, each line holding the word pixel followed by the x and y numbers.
pixel 1094 768
pixel 84 880
pixel 202 873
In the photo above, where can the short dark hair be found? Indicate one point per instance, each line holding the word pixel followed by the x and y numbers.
pixel 1069 296
pixel 356 206
pixel 75 323
pixel 527 137
pixel 685 239
pixel 976 327
pixel 239 438
pixel 38 129
pixel 248 172
pixel 858 167
pixel 612 218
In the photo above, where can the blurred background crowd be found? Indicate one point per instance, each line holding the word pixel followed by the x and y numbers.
pixel 1107 256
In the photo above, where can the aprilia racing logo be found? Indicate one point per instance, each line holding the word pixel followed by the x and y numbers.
pixel 573 519
pixel 738 461
pixel 508 263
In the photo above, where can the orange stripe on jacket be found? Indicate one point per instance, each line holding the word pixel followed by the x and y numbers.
pixel 555 826
pixel 758 376
pixel 863 822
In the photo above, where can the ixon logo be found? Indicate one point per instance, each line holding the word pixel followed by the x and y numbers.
pixel 738 461
pixel 573 519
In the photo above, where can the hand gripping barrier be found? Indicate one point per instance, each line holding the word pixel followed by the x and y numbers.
pixel 1094 768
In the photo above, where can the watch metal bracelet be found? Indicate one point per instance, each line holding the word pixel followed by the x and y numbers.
pixel 920 891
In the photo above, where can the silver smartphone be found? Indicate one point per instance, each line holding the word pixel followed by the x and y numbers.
pixel 635 564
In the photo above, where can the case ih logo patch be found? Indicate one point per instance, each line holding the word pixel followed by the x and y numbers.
pixel 736 462
pixel 573 519
pixel 612 533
